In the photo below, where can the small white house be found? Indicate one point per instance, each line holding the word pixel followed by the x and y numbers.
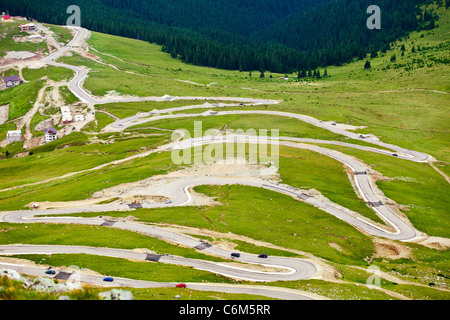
pixel 65 109
pixel 29 27
pixel 67 118
pixel 66 115
pixel 79 117
pixel 50 134
pixel 13 136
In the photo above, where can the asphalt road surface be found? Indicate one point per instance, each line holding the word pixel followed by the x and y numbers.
pixel 271 292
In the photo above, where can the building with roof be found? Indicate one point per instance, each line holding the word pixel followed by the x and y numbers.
pixel 29 27
pixel 11 81
pixel 50 134
pixel 6 18
pixel 66 115
pixel 14 136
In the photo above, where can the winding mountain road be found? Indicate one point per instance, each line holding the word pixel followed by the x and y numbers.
pixel 294 268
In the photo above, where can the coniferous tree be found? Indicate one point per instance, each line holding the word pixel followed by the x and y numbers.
pixel 218 34
pixel 367 66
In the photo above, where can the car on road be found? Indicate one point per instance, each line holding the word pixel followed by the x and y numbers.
pixel 263 256
pixel 395 155
pixel 168 201
pixel 235 255
pixel 181 285
pixel 108 279
pixel 50 272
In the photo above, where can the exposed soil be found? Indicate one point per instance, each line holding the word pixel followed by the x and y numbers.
pixel 390 250
pixel 4 113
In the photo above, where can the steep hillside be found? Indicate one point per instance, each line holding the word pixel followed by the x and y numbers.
pixel 247 35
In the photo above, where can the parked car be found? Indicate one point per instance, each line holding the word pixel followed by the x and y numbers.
pixel 235 255
pixel 50 272
pixel 168 201
pixel 108 279
pixel 263 256
pixel 181 285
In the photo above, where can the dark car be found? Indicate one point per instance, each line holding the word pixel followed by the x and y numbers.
pixel 108 279
pixel 263 256
pixel 395 155
pixel 50 272
pixel 235 255
pixel 181 285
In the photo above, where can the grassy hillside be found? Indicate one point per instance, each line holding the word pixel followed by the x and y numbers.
pixel 404 101
pixel 392 98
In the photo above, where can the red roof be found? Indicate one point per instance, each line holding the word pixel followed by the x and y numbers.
pixel 7 17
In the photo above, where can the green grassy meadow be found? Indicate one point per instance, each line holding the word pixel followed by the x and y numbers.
pixel 404 102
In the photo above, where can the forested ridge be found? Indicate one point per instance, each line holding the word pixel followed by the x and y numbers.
pixel 279 36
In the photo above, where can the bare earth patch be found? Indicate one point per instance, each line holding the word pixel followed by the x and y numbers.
pixel 4 113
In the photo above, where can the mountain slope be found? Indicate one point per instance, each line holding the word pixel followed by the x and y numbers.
pixel 247 35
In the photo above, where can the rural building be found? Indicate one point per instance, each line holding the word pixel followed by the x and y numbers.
pixel 50 134
pixel 79 117
pixel 6 18
pixel 67 118
pixel 66 115
pixel 11 81
pixel 65 110
pixel 29 27
pixel 13 136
